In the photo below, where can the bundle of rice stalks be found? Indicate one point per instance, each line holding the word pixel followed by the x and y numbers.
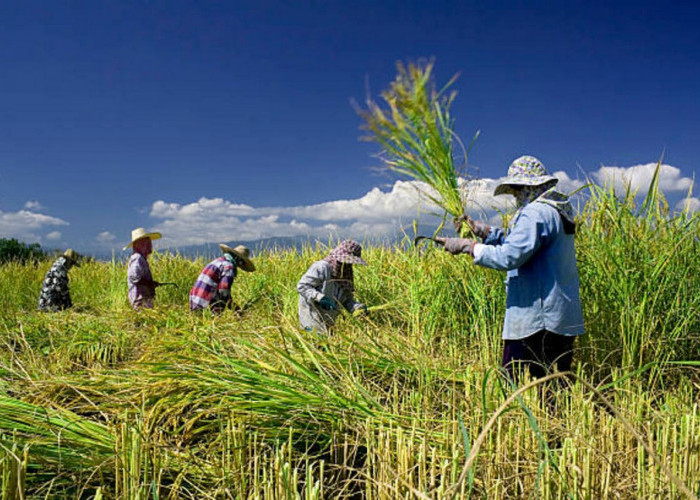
pixel 306 390
pixel 56 438
pixel 416 133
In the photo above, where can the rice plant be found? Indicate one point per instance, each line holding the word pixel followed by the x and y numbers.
pixel 408 402
pixel 415 131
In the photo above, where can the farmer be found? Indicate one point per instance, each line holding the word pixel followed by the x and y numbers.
pixel 543 308
pixel 55 295
pixel 142 287
pixel 213 286
pixel 327 285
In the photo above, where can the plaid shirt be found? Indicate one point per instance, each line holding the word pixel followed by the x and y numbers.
pixel 217 275
pixel 55 295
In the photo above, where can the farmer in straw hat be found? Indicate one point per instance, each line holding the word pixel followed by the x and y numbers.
pixel 142 287
pixel 213 286
pixel 55 295
pixel 328 284
pixel 543 308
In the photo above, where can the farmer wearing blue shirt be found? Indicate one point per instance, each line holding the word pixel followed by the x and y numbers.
pixel 543 308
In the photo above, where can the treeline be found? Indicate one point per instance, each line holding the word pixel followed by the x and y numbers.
pixel 13 250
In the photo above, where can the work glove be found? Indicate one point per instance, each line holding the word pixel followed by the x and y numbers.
pixel 360 310
pixel 457 245
pixel 224 297
pixel 480 229
pixel 327 304
pixel 220 301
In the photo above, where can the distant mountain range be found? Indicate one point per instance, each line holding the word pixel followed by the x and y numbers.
pixel 211 250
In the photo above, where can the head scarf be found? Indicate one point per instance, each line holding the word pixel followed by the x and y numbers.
pixel 341 259
pixel 233 259
pixel 562 204
pixel 524 195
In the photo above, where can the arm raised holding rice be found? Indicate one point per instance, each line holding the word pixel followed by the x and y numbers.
pixel 416 134
pixel 543 308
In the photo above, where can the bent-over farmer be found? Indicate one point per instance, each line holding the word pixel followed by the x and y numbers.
pixel 327 285
pixel 543 309
pixel 55 294
pixel 142 287
pixel 213 286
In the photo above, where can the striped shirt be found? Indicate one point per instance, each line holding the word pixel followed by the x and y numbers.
pixel 217 275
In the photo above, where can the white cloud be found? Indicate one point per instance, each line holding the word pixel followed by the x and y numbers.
pixel 402 199
pixel 377 214
pixel 566 184
pixel 690 205
pixel 27 226
pixel 105 237
pixel 54 235
pixel 33 205
pixel 201 209
pixel 639 177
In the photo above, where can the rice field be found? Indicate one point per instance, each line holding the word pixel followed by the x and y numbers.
pixel 104 402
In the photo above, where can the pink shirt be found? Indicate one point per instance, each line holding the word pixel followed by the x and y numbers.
pixel 139 295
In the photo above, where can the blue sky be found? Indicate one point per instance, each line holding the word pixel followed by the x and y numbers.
pixel 233 120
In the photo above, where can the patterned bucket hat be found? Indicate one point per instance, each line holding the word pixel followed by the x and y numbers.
pixel 525 171
pixel 348 252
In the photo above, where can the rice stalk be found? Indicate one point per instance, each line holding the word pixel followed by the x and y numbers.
pixel 415 131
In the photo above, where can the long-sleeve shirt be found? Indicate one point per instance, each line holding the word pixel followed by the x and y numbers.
pixel 216 276
pixel 140 295
pixel 317 282
pixel 542 286
pixel 55 295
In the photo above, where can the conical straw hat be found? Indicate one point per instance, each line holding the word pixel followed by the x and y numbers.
pixel 72 255
pixel 243 253
pixel 139 233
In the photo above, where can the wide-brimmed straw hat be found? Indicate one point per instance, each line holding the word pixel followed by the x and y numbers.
pixel 72 255
pixel 140 233
pixel 242 253
pixel 348 252
pixel 524 171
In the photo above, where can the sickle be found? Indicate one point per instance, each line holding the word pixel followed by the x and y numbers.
pixel 171 284
pixel 418 239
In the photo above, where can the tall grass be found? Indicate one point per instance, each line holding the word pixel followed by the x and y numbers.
pixel 641 258
pixel 105 402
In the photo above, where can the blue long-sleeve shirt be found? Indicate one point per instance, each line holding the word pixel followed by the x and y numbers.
pixel 542 287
